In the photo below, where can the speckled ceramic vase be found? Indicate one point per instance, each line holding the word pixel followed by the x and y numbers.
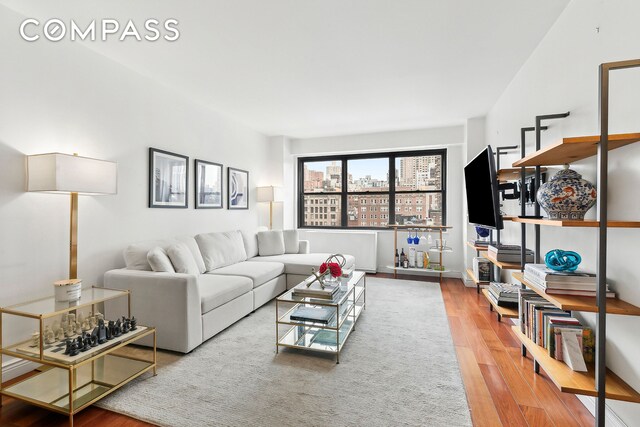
pixel 567 195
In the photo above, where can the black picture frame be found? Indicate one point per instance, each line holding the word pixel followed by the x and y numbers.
pixel 204 197
pixel 237 188
pixel 168 187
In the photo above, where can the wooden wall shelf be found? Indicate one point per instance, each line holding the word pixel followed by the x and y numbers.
pixel 500 311
pixel 474 279
pixel 574 303
pixel 577 223
pixel 570 381
pixel 513 174
pixel 570 150
pixel 476 248
pixel 502 265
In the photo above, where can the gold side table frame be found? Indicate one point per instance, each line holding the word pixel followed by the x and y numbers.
pixel 88 379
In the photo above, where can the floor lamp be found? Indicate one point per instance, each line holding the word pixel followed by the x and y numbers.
pixel 74 175
pixel 269 194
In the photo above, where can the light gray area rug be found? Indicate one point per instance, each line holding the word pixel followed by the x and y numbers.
pixel 398 368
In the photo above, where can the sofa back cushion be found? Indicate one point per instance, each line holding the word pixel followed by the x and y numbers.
pixel 192 245
pixel 135 255
pixel 221 249
pixel 182 259
pixel 159 261
pixel 270 243
pixel 291 241
pixel 250 240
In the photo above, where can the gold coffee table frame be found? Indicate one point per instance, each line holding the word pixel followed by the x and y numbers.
pixel 68 387
pixel 315 336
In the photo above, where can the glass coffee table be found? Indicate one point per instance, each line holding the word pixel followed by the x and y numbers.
pixel 330 336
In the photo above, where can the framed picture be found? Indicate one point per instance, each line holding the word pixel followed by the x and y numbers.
pixel 237 189
pixel 168 177
pixel 208 185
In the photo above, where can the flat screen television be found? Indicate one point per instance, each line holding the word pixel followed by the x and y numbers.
pixel 483 203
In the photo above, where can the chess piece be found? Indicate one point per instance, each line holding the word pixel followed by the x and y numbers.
pixel 134 323
pixel 117 328
pixel 68 332
pixel 73 348
pixel 59 333
pixel 101 332
pixel 72 318
pixel 78 328
pixel 110 330
pixel 99 316
pixel 55 326
pixel 65 319
pixel 67 349
pixel 49 337
pixel 85 326
pixel 92 322
pixel 94 337
pixel 126 325
pixel 35 339
pixel 86 339
pixel 80 318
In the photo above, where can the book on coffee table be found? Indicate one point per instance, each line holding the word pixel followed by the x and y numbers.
pixel 315 290
pixel 313 314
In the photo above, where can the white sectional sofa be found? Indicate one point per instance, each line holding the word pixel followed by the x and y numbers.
pixel 191 288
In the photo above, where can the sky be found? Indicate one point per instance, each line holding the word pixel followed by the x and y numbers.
pixel 377 168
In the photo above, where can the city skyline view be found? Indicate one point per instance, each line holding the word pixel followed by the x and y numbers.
pixel 418 181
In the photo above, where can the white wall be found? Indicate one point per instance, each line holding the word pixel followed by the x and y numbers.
pixel 451 138
pixel 561 75
pixel 59 97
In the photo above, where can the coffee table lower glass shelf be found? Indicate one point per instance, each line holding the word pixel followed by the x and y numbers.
pixel 316 336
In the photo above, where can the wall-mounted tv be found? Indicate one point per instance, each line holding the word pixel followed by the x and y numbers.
pixel 483 204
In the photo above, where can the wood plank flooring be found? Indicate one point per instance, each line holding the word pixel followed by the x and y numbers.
pixel 501 387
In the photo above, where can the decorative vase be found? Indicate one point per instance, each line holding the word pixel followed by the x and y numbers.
pixel 567 195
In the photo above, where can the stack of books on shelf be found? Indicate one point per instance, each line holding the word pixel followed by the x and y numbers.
pixel 509 253
pixel 504 294
pixel 564 337
pixel 482 269
pixel 314 314
pixel 481 243
pixel 577 283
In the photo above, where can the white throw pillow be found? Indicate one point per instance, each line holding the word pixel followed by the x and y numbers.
pixel 250 240
pixel 135 255
pixel 270 243
pixel 291 241
pixel 159 261
pixel 182 259
pixel 195 251
pixel 221 249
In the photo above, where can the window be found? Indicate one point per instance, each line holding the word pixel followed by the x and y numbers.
pixel 385 182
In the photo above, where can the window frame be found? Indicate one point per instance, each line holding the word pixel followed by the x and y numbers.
pixel 344 193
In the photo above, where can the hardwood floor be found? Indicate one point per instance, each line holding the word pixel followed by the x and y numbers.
pixel 501 387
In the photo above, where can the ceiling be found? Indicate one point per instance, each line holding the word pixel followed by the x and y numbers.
pixel 306 68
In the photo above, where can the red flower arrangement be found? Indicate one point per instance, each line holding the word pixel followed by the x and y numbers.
pixel 334 269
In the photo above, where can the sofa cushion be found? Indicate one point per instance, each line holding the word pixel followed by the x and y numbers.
pixel 291 241
pixel 216 290
pixel 270 243
pixel 159 261
pixel 221 249
pixel 250 240
pixel 135 255
pixel 195 251
pixel 302 263
pixel 182 259
pixel 259 272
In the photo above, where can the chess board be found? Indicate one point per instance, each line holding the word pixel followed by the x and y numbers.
pixel 55 351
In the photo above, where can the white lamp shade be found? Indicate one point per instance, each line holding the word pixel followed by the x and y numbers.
pixel 269 194
pixel 56 172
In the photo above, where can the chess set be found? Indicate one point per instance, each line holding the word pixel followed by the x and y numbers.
pixel 74 338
